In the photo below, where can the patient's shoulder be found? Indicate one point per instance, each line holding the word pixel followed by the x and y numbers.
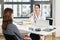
pixel 11 25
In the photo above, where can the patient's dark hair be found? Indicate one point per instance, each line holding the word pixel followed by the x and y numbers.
pixel 7 18
pixel 37 5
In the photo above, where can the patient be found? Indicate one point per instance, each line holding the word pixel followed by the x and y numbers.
pixel 9 28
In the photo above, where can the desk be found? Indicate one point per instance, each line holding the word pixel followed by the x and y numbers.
pixel 42 33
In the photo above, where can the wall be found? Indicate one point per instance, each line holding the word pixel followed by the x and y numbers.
pixel 57 17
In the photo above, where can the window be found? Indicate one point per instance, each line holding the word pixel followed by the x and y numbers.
pixel 19 10
pixel 25 10
pixel 22 8
pixel 0 10
pixel 16 0
pixel 46 9
pixel 41 0
pixel 7 0
pixel 7 6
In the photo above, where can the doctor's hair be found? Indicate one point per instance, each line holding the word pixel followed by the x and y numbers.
pixel 37 5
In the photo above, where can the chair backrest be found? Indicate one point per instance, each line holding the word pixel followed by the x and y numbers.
pixel 10 37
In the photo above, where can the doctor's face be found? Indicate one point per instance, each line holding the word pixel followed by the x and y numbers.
pixel 37 8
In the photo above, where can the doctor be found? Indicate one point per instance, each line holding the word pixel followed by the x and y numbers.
pixel 36 15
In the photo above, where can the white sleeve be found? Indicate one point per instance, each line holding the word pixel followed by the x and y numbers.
pixel 31 19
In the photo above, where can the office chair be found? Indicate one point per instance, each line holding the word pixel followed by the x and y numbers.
pixel 10 37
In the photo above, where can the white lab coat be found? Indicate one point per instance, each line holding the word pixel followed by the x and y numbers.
pixel 40 17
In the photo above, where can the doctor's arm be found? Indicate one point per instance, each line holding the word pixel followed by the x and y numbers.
pixel 31 14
